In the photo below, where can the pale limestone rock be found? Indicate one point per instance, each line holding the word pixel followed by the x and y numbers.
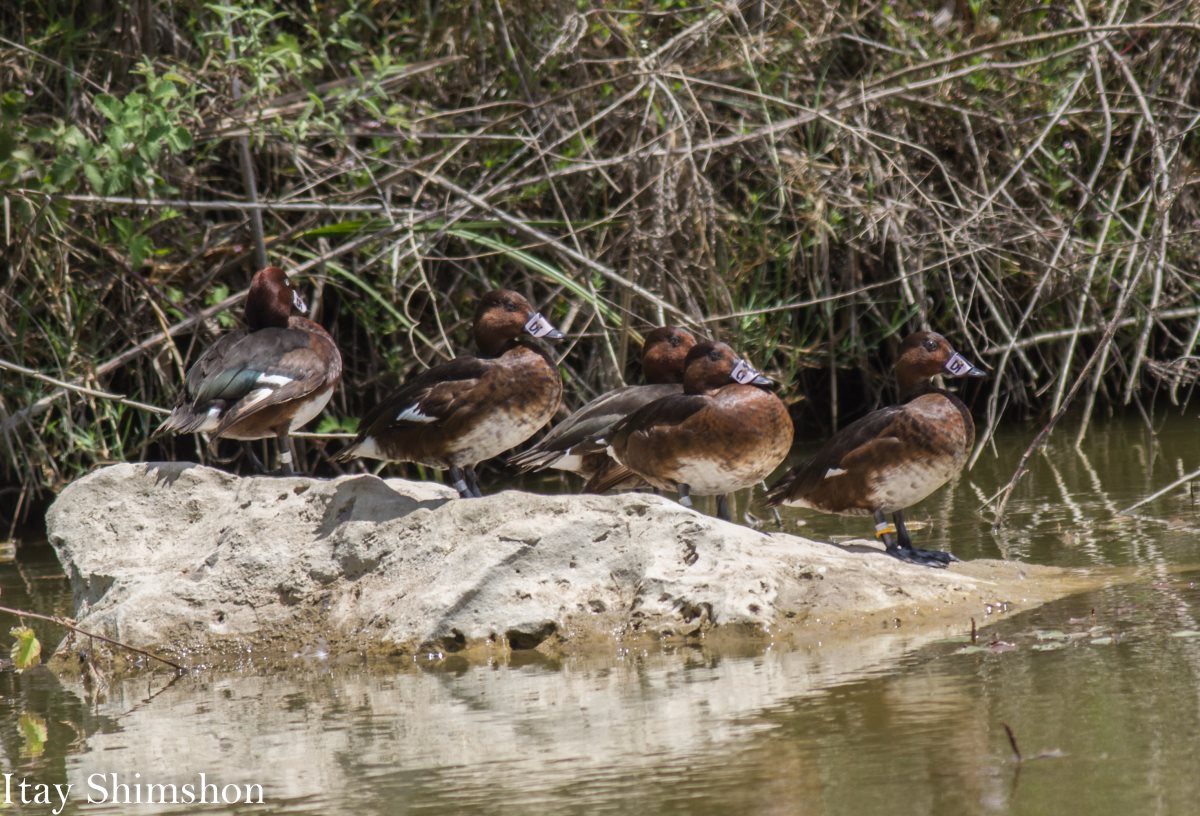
pixel 194 561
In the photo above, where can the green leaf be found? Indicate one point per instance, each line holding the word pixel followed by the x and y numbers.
pixel 180 139
pixel 33 734
pixel 110 106
pixel 139 248
pixel 94 176
pixel 26 649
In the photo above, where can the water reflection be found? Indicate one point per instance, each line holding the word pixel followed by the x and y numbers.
pixel 1103 686
pixel 335 738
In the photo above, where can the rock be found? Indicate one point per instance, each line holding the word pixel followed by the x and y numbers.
pixel 197 563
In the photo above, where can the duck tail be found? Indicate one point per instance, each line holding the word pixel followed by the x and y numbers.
pixel 777 493
pixel 609 476
pixel 184 419
pixel 347 454
pixel 533 459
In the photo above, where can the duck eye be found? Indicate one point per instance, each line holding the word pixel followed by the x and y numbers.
pixel 510 306
pixel 714 355
pixel 930 345
pixel 674 341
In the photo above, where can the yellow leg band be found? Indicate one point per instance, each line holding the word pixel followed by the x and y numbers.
pixel 884 528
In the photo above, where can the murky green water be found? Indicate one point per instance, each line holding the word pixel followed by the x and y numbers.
pixel 1102 692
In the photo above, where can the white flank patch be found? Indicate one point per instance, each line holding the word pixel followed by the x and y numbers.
pixel 273 379
pixel 256 396
pixel 829 474
pixel 413 414
pixel 310 408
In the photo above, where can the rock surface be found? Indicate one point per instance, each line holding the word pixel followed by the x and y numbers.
pixel 198 563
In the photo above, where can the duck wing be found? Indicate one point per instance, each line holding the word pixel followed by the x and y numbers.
pixel 429 398
pixel 589 429
pixel 668 411
pixel 849 454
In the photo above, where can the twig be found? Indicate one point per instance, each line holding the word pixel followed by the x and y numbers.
pixel 67 624
pixel 1043 338
pixel 1012 741
pixel 219 204
pixel 80 389
pixel 554 243
pixel 1182 480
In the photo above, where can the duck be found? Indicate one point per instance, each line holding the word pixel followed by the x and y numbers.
pixel 265 380
pixel 467 410
pixel 724 432
pixel 579 444
pixel 892 458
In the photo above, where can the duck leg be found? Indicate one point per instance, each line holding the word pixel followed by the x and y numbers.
pixel 248 450
pixel 459 483
pixel 473 482
pixel 899 543
pixel 283 445
pixel 685 495
pixel 723 508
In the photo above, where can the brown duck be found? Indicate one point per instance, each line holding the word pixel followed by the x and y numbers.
pixel 894 457
pixel 580 442
pixel 265 380
pixel 723 433
pixel 462 412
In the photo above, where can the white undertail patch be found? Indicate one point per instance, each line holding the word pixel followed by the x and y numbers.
pixel 829 474
pixel 368 449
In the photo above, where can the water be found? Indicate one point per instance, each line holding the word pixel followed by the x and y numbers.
pixel 1102 692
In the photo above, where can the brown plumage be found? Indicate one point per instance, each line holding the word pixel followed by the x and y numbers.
pixel 718 436
pixel 580 442
pixel 462 412
pixel 265 380
pixel 894 457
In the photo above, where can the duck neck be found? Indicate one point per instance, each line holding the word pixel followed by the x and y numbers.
pixel 915 387
pixel 493 346
pixel 267 308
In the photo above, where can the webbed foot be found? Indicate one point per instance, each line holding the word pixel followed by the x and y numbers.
pixel 924 558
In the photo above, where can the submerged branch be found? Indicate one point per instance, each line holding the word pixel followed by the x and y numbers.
pixel 69 624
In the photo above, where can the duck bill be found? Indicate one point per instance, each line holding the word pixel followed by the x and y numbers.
pixel 745 374
pixel 959 366
pixel 539 326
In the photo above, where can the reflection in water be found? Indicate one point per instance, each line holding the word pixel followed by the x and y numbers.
pixel 1101 690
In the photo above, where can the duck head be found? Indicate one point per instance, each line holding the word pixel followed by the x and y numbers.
pixel 272 299
pixel 710 366
pixel 502 316
pixel 924 355
pixel 664 354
